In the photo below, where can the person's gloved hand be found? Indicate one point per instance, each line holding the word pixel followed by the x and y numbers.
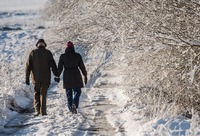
pixel 27 82
pixel 85 80
pixel 57 79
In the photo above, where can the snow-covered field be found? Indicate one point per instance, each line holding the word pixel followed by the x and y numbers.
pixel 20 27
pixel 106 106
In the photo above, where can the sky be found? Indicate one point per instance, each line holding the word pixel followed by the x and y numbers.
pixel 9 5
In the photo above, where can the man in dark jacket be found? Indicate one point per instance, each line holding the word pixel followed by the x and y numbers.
pixel 72 80
pixel 39 65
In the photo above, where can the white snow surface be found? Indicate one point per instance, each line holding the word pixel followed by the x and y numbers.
pixel 13 5
pixel 104 89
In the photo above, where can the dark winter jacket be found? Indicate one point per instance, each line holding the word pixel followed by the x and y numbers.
pixel 72 63
pixel 40 64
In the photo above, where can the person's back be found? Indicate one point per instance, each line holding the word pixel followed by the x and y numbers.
pixel 72 80
pixel 71 62
pixel 39 64
pixel 69 56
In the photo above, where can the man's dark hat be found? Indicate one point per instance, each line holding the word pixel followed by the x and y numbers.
pixel 41 41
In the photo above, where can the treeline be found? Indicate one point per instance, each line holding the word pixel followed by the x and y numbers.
pixel 166 32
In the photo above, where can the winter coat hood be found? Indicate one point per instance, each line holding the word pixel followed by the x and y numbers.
pixel 69 49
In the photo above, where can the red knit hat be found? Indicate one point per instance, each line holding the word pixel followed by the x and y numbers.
pixel 69 44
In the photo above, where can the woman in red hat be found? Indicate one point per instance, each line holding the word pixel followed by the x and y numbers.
pixel 72 80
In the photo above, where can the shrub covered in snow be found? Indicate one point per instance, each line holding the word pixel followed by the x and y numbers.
pixel 160 40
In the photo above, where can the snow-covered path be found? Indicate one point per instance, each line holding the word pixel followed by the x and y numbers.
pixel 91 119
pixel 20 28
pixel 94 111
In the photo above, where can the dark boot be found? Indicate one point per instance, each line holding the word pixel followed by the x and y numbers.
pixel 74 110
pixel 44 114
pixel 36 114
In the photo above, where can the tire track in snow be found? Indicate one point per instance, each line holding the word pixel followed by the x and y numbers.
pixel 93 109
pixel 94 112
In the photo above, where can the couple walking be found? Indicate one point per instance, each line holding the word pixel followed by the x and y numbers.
pixel 40 64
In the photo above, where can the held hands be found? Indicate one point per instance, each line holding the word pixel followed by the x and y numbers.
pixel 57 79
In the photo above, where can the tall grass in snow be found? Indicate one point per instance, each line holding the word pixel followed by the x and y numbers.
pixel 159 39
